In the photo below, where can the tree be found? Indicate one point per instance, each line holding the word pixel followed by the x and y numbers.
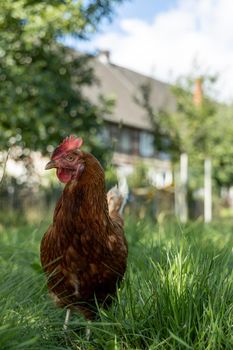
pixel 221 145
pixel 41 81
pixel 202 130
pixel 205 130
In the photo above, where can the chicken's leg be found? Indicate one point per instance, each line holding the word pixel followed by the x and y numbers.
pixel 88 332
pixel 67 318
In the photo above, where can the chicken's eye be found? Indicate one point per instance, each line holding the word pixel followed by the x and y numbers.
pixel 70 158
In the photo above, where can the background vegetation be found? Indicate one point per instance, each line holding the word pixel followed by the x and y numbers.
pixel 198 131
pixel 42 84
pixel 41 80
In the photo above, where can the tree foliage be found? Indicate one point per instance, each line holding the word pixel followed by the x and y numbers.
pixel 194 122
pixel 204 131
pixel 221 147
pixel 200 131
pixel 41 81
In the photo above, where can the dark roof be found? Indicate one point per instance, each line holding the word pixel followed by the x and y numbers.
pixel 123 85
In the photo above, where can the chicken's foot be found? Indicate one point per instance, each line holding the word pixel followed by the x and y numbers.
pixel 67 318
pixel 88 332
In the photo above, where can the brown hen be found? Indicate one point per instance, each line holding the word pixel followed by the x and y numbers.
pixel 84 251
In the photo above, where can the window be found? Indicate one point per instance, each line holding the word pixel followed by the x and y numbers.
pixel 164 156
pixel 105 135
pixel 125 141
pixel 146 144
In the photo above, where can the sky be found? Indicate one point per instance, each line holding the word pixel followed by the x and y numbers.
pixel 170 38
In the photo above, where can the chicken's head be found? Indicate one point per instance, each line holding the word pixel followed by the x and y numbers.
pixel 67 158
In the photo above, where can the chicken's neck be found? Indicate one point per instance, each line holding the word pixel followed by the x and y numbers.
pixel 83 204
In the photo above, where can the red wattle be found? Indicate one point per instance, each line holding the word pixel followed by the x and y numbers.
pixel 64 175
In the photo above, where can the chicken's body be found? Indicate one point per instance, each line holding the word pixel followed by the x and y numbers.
pixel 84 251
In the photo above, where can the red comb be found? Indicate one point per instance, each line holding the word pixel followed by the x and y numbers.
pixel 69 143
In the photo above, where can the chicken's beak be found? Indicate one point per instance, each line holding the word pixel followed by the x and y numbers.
pixel 51 164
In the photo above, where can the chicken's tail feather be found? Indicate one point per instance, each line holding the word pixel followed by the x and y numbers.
pixel 124 190
pixel 116 200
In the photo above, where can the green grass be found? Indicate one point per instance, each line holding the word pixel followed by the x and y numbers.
pixel 177 294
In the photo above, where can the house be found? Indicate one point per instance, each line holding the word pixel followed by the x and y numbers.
pixel 129 128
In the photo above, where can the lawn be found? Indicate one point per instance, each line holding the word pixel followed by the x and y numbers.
pixel 177 293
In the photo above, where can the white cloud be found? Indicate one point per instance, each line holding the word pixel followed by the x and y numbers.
pixel 166 48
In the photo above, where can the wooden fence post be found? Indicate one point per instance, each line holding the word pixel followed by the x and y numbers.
pixel 207 191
